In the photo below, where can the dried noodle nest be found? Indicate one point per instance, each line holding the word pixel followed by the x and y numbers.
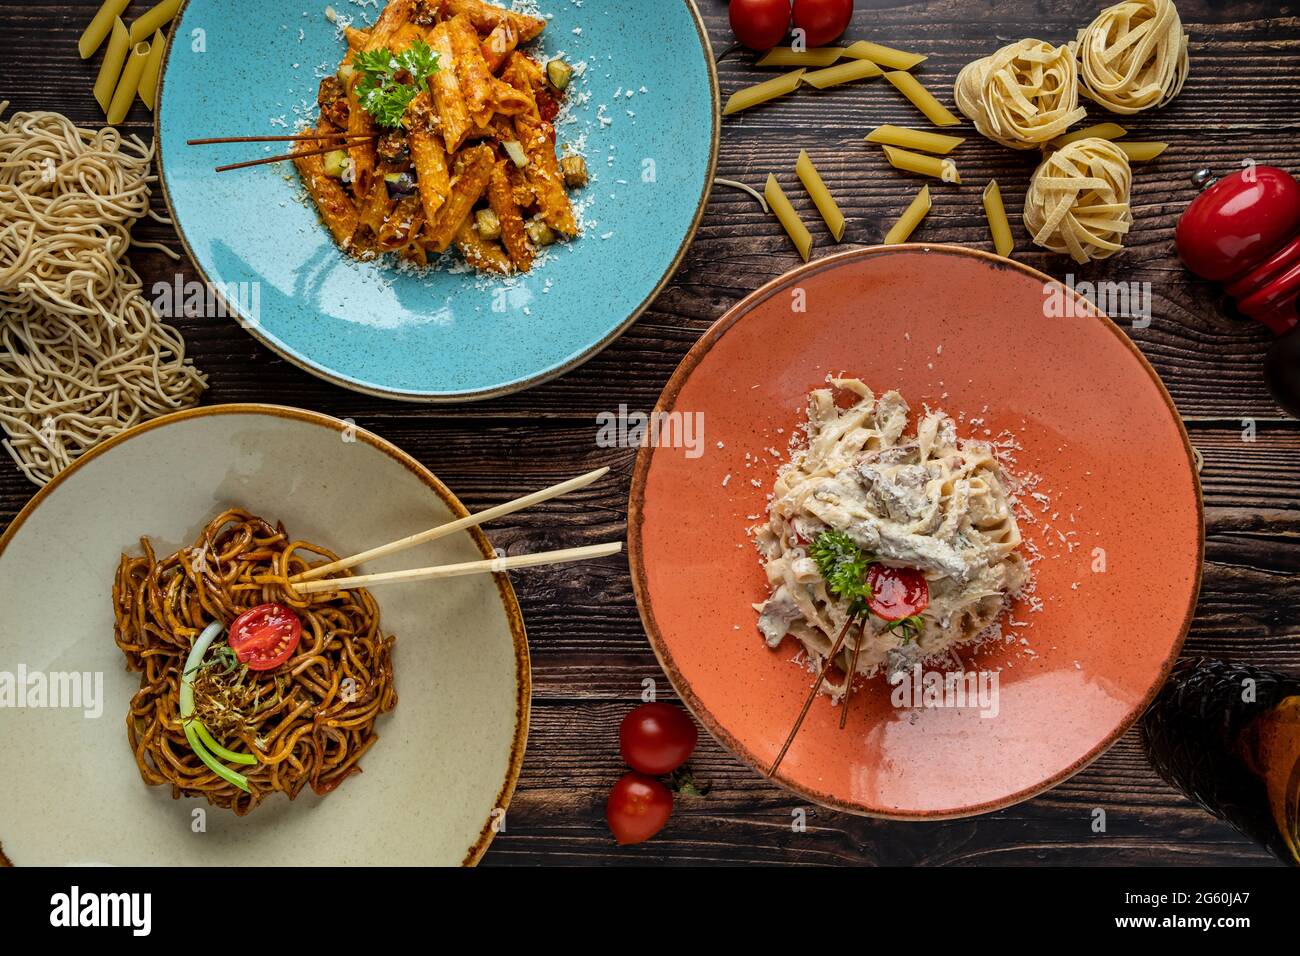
pixel 1133 56
pixel 1023 95
pixel 1078 200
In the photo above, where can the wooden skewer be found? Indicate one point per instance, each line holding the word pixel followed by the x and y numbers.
pixel 276 159
pixel 299 138
pixel 451 527
pixel 853 671
pixel 812 695
pixel 469 567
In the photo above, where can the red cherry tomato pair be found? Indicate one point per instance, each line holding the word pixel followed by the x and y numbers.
pixel 654 739
pixel 762 24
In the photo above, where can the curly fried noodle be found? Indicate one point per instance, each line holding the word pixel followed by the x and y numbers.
pixel 308 721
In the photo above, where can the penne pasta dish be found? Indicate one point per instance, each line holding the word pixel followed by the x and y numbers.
pixel 445 139
pixel 909 538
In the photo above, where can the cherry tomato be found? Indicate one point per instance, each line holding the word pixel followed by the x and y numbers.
pixel 897 593
pixel 638 808
pixel 760 24
pixel 265 637
pixel 822 20
pixel 657 738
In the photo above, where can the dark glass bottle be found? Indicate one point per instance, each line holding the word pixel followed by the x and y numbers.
pixel 1228 736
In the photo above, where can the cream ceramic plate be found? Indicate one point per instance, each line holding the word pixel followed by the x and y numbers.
pixel 447 758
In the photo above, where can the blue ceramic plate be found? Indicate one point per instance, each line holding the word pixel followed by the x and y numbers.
pixel 644 113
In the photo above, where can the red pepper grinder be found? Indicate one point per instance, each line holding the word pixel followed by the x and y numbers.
pixel 1244 231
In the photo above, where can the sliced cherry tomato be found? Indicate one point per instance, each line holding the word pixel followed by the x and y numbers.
pixel 760 24
pixel 657 738
pixel 822 20
pixel 897 593
pixel 638 808
pixel 265 637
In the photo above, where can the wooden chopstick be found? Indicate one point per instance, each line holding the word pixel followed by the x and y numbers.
pixel 277 159
pixel 457 570
pixel 451 527
pixel 298 138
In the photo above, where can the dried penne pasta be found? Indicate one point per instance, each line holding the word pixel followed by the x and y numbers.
pixel 128 85
pixel 821 196
pixel 922 99
pixel 100 26
pixel 884 55
pixel 842 73
pixel 914 139
pixel 760 93
pixel 1141 152
pixel 944 169
pixel 817 57
pixel 159 15
pixel 996 213
pixel 110 71
pixel 152 67
pixel 911 218
pixel 789 219
pixel 1100 131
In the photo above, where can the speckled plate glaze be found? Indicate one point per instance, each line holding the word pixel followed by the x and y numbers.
pixel 969 333
pixel 434 786
pixel 235 69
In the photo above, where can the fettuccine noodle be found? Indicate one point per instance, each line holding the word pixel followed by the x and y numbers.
pixel 1023 95
pixel 1133 56
pixel 1078 200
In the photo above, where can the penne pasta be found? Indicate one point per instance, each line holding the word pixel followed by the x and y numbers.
pixel 911 218
pixel 159 15
pixel 110 71
pixel 100 26
pixel 788 218
pixel 471 69
pixel 842 73
pixel 152 68
pixel 1100 131
pixel 751 96
pixel 128 85
pixel 922 99
pixel 786 56
pixel 996 213
pixel 337 210
pixel 453 112
pixel 821 196
pixel 428 156
pixel 1141 152
pixel 486 17
pixel 470 182
pixel 479 253
pixel 943 169
pixel 543 172
pixel 884 55
pixel 501 198
pixel 917 139
pixel 394 16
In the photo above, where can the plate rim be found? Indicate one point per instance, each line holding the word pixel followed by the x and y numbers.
pixel 514 616
pixel 636 501
pixel 464 396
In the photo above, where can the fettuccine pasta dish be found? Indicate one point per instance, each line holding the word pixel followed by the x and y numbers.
pixel 444 136
pixel 924 519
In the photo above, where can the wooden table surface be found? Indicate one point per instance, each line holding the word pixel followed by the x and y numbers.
pixel 589 653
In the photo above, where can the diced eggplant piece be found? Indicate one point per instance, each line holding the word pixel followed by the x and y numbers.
pixel 560 74
pixel 540 234
pixel 488 223
pixel 574 169
pixel 399 185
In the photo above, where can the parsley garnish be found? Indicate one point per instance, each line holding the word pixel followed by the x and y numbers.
pixel 910 627
pixel 382 95
pixel 843 566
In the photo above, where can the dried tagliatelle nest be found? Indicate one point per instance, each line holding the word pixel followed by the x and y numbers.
pixel 1133 56
pixel 1023 95
pixel 1078 200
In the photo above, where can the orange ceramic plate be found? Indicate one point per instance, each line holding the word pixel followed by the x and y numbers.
pixel 1121 536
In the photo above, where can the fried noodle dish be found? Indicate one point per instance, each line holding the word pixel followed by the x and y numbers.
pixel 247 688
